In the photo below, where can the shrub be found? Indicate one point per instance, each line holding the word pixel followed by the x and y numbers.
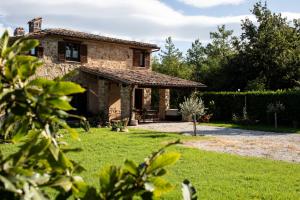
pixel 228 104
pixel 194 107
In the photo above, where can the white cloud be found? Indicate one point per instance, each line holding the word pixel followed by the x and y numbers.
pixel 144 20
pixel 211 3
pixel 291 15
pixel 3 28
pixel 148 20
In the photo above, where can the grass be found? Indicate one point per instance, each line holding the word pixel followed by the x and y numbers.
pixel 215 175
pixel 254 127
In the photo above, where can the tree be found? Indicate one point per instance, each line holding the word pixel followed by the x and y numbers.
pixel 275 108
pixel 270 49
pixel 219 53
pixel 194 107
pixel 196 57
pixel 172 63
pixel 220 46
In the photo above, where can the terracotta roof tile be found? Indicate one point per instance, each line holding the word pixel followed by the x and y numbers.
pixel 142 77
pixel 89 36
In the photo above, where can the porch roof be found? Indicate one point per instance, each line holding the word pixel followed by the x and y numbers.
pixel 141 77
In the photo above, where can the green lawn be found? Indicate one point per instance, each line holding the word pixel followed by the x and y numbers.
pixel 254 127
pixel 215 175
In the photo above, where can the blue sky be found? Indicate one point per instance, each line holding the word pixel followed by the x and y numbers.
pixel 141 20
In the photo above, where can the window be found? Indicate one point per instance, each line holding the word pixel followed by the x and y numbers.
pixel 32 52
pixel 72 52
pixel 37 52
pixel 140 58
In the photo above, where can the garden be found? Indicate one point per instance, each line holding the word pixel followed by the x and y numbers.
pixel 214 175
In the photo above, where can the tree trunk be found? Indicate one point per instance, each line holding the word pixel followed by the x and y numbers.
pixel 195 123
pixel 275 119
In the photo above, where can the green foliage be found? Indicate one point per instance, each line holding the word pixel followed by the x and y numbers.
pixel 229 103
pixel 210 61
pixel 275 108
pixel 213 174
pixel 143 180
pixel 171 62
pixel 192 107
pixel 120 125
pixel 33 110
pixel 264 57
pixel 270 49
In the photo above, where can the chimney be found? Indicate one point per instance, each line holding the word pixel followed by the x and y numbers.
pixel 19 31
pixel 35 25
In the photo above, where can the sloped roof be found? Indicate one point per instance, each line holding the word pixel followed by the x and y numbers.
pixel 141 77
pixel 89 36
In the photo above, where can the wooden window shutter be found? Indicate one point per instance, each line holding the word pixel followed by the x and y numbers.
pixel 40 52
pixel 83 53
pixel 147 59
pixel 61 51
pixel 136 57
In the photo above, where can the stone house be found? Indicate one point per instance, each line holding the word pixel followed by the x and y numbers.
pixel 116 73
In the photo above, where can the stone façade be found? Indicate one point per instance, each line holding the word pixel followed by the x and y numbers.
pixel 102 95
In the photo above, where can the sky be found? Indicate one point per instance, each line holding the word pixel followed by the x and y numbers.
pixel 141 20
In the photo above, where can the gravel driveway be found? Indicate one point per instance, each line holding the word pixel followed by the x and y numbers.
pixel 277 146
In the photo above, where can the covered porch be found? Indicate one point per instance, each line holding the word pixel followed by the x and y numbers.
pixel 126 93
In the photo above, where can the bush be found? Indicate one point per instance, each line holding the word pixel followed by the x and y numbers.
pixel 228 104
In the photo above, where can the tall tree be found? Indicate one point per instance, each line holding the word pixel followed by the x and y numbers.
pixel 270 49
pixel 220 45
pixel 195 57
pixel 219 52
pixel 172 63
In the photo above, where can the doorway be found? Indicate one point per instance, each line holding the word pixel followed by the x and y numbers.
pixel 138 99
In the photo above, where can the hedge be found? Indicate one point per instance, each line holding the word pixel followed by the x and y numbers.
pixel 229 103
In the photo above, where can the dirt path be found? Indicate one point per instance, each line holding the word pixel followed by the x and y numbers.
pixel 277 146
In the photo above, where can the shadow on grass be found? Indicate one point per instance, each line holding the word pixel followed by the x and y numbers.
pixel 156 135
pixel 151 134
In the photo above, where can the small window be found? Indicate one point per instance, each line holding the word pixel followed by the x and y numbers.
pixel 72 52
pixel 139 58
pixel 142 59
pixel 37 52
pixel 32 52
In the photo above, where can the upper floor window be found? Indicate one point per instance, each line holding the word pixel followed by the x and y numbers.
pixel 141 58
pixel 37 51
pixel 32 52
pixel 72 51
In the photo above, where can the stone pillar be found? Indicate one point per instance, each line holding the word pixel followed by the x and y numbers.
pixel 103 96
pixel 164 102
pixel 125 93
pixel 147 98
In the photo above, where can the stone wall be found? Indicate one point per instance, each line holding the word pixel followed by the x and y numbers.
pixel 147 98
pixel 102 95
pixel 114 102
pixel 125 101
pixel 164 102
pixel 99 54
